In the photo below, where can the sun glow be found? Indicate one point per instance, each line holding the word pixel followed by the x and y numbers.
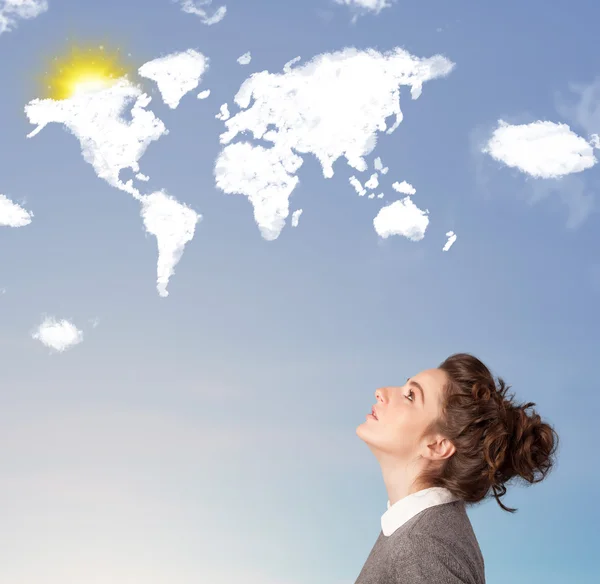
pixel 84 70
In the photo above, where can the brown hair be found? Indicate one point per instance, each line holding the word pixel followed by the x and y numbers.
pixel 496 440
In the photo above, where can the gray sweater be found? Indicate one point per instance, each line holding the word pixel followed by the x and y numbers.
pixel 436 546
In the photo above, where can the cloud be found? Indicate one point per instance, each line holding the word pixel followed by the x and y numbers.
pixel 401 218
pixel 333 106
pixel 110 143
pixel 451 239
pixel 176 74
pixel 573 192
pixel 13 215
pixel 378 165
pixel 404 187
pixel 245 58
pixel 541 149
pixel 13 10
pixel 375 6
pixel 223 113
pixel 173 224
pixel 193 7
pixel 361 191
pixel 296 217
pixel 373 182
pixel 58 335
pixel 585 113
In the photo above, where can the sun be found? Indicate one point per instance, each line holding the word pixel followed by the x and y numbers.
pixel 83 70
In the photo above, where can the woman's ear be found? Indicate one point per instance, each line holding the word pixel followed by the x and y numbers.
pixel 440 448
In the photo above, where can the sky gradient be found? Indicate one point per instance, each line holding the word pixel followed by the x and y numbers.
pixel 209 436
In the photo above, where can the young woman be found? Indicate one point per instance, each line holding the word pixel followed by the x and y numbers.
pixel 444 440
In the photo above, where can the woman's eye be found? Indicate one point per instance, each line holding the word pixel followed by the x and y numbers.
pixel 410 395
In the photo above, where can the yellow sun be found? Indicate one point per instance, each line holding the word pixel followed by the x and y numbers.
pixel 83 70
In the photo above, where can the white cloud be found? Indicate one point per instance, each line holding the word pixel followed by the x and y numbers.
pixel 357 186
pixel 542 149
pixel 401 218
pixel 173 224
pixel 373 182
pixel 404 188
pixel 265 176
pixel 111 144
pixel 13 215
pixel 58 335
pixel 379 166
pixel 13 10
pixel 194 7
pixel 451 239
pixel 296 217
pixel 375 6
pixel 223 113
pixel 108 142
pixel 176 74
pixel 585 113
pixel 331 107
pixel 204 94
pixel 572 191
pixel 245 58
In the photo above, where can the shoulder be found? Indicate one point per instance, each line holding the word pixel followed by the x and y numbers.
pixel 427 554
pixel 425 558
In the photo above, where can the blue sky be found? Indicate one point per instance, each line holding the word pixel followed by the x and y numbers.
pixel 209 436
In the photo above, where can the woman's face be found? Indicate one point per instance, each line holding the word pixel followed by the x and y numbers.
pixel 403 414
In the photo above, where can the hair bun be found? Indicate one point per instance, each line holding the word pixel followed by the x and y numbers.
pixel 530 443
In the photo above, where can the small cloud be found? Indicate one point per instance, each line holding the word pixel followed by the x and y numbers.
pixel 373 182
pixel 176 74
pixel 379 166
pixel 573 192
pixel 451 239
pixel 585 113
pixel 357 186
pixel 288 66
pixel 540 149
pixel 204 94
pixel 245 58
pixel 404 188
pixel 13 215
pixel 401 218
pixel 194 7
pixel 13 10
pixel 375 6
pixel 223 113
pixel 94 322
pixel 58 335
pixel 296 217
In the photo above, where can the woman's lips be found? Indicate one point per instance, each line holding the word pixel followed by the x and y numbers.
pixel 373 414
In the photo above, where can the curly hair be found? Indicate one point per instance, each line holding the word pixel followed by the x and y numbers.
pixel 496 440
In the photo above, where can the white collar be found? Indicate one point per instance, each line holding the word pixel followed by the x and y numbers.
pixel 404 509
